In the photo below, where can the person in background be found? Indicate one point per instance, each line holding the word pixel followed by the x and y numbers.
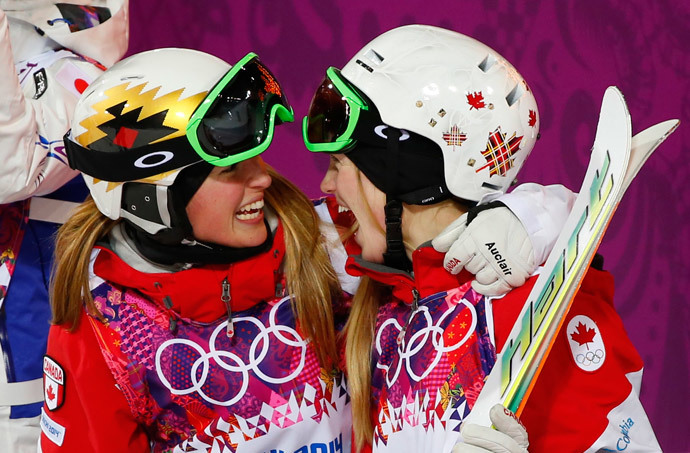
pixel 424 126
pixel 49 53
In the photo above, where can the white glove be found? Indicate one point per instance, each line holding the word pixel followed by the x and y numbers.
pixel 494 247
pixel 510 436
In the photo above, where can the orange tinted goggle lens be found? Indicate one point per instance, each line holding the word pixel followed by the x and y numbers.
pixel 328 115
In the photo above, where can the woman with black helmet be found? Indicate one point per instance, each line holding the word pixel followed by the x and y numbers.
pixel 173 328
pixel 425 124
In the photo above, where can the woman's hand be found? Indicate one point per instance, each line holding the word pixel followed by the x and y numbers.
pixel 495 247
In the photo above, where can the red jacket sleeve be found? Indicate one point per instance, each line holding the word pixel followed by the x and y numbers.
pixel 90 414
pixel 584 377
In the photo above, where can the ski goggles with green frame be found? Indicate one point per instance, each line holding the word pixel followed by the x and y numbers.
pixel 237 118
pixel 234 122
pixel 333 114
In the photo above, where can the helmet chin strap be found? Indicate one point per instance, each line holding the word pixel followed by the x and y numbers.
pixel 192 252
pixel 395 255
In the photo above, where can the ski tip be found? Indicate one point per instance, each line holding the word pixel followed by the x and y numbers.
pixel 670 127
pixel 614 92
pixel 673 125
pixel 656 133
pixel 614 128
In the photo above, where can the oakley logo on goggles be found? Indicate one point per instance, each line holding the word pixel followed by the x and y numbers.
pixel 237 119
pixel 233 123
pixel 333 114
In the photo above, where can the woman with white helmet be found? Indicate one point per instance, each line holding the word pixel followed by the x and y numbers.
pixel 173 326
pixel 425 125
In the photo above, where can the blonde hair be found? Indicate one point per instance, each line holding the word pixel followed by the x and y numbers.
pixel 69 289
pixel 312 280
pixel 359 338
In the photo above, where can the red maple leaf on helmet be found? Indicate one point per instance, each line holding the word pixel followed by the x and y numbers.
pixel 583 335
pixel 476 100
pixel 532 118
pixel 50 394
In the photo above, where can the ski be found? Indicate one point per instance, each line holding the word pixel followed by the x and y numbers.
pixel 614 162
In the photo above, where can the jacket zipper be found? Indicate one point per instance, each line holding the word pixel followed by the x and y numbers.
pixel 414 307
pixel 225 297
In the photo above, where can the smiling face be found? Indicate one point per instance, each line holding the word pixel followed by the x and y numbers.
pixel 228 207
pixel 354 191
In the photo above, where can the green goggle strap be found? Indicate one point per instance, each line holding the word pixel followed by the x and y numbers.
pixel 355 103
pixel 286 115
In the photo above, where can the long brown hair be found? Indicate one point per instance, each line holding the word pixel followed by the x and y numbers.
pixel 312 280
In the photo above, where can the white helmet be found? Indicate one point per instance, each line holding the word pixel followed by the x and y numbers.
pixel 441 85
pixel 166 112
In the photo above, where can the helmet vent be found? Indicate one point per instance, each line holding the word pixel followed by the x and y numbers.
pixel 491 186
pixel 487 63
pixel 374 57
pixel 515 94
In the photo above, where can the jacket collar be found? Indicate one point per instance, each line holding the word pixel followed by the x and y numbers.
pixel 427 277
pixel 195 293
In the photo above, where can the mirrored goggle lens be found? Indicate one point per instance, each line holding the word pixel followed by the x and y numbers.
pixel 240 117
pixel 329 114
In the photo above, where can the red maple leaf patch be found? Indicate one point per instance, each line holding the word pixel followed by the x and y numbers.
pixel 583 335
pixel 532 118
pixel 476 100
pixel 50 394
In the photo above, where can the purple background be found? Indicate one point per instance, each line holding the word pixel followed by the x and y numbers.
pixel 569 54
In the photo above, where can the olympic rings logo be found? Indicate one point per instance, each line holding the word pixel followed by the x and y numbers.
pixel 407 350
pixel 233 363
pixel 590 357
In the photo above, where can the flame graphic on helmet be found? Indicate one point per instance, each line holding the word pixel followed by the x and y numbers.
pixel 178 110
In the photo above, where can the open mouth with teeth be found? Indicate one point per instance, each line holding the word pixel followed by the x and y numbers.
pixel 342 209
pixel 251 211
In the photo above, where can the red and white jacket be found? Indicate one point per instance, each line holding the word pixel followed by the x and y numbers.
pixel 160 373
pixel 429 364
